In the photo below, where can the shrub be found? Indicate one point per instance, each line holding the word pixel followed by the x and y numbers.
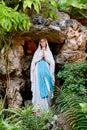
pixel 74 76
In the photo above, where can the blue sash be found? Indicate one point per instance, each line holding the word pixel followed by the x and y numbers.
pixel 44 73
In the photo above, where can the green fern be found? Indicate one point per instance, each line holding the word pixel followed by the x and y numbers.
pixel 69 105
pixel 24 119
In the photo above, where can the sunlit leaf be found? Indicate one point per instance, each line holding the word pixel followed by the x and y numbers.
pixel 11 19
pixel 27 3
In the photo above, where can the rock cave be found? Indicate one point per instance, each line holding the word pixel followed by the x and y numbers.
pixel 67 40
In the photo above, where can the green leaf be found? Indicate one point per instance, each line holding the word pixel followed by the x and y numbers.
pixel 16 7
pixel 84 107
pixel 83 13
pixel 27 3
pixel 11 19
pixel 36 7
pixel 77 4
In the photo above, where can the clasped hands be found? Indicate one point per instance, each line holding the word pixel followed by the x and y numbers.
pixel 43 54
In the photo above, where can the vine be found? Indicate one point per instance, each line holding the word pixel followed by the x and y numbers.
pixel 6 59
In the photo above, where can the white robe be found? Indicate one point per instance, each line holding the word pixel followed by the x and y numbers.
pixel 38 102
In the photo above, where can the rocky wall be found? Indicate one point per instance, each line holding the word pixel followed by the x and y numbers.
pixel 67 39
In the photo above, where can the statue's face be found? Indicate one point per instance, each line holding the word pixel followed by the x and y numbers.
pixel 43 43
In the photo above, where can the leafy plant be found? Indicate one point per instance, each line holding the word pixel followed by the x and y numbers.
pixel 8 123
pixel 35 4
pixel 71 96
pixel 11 19
pixel 49 10
pixel 74 77
pixel 24 119
pixel 84 108
pixel 32 122
pixel 68 105
pixel 74 7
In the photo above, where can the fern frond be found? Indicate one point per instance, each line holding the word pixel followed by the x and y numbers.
pixel 69 105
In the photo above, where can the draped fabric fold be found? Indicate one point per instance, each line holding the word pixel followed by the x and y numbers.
pixel 43 76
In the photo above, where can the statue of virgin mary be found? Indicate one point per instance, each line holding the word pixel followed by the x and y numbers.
pixel 42 75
